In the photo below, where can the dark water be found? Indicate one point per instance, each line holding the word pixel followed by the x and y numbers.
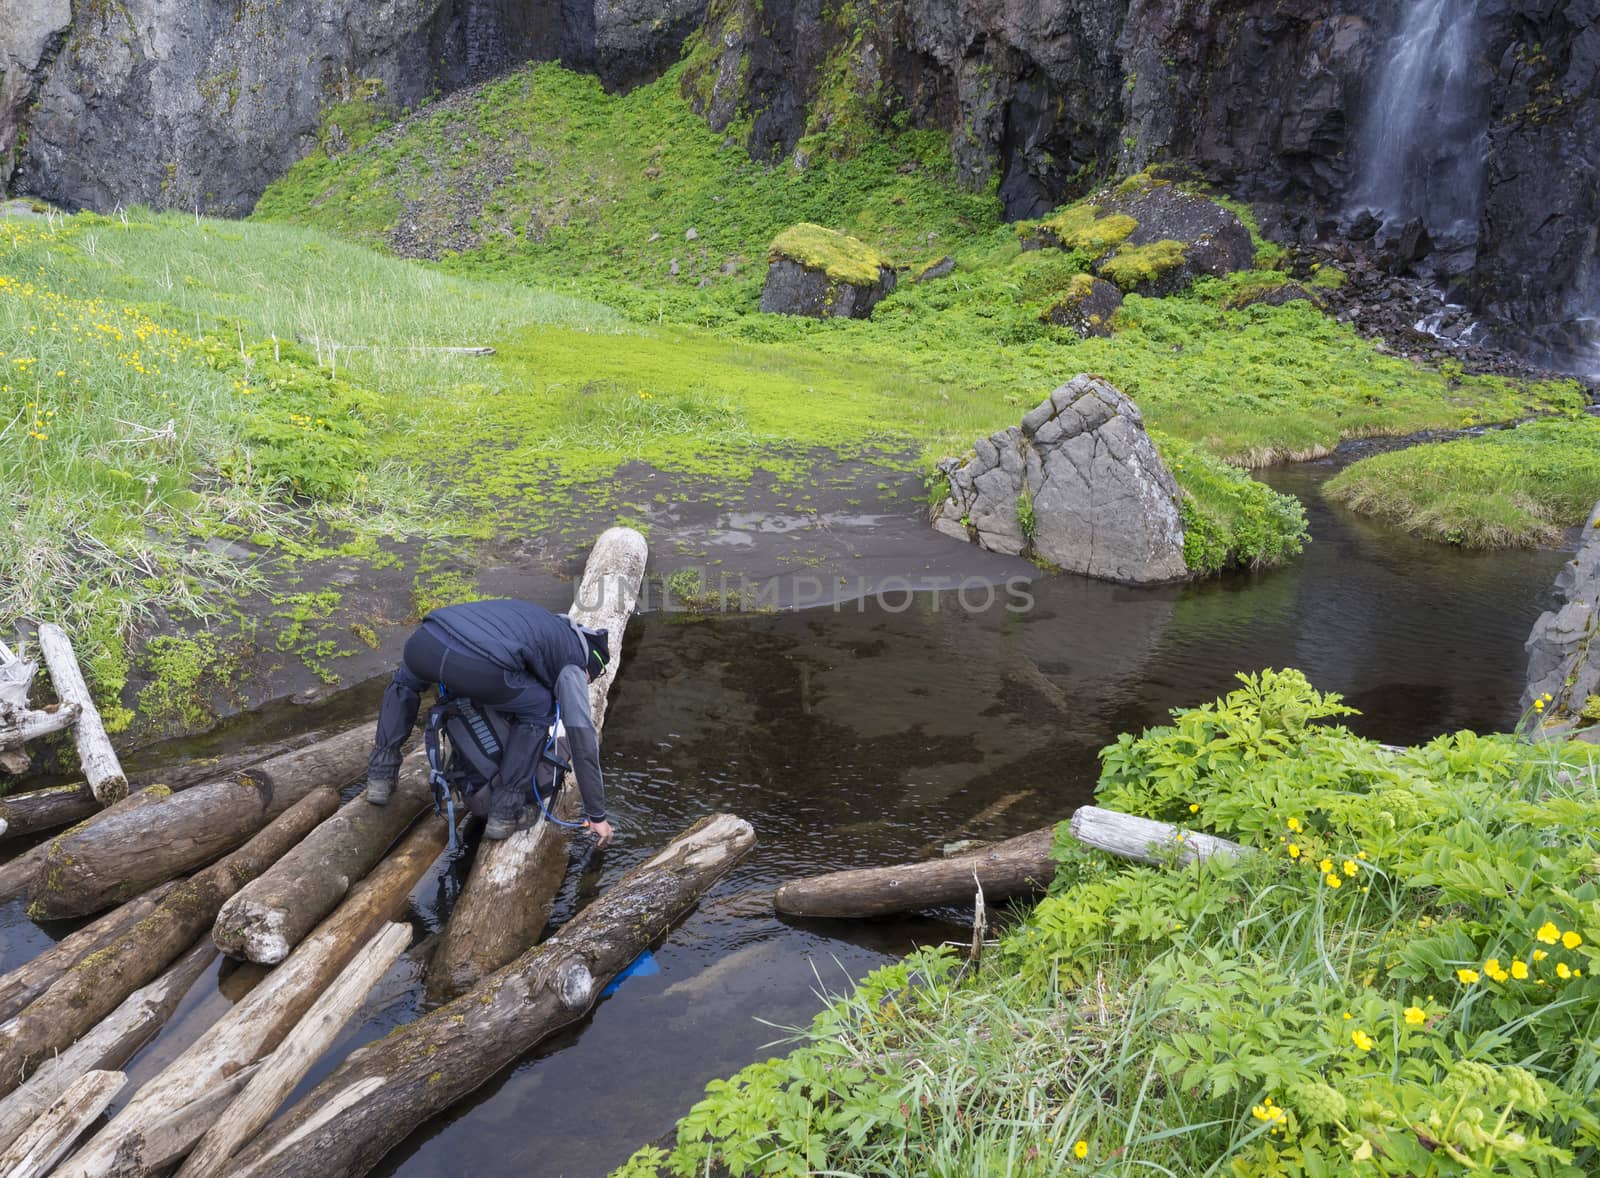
pixel 862 735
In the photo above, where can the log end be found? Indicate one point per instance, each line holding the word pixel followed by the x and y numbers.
pixel 251 932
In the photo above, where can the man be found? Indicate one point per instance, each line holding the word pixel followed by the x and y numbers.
pixel 520 660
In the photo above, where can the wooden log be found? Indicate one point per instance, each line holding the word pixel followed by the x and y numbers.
pixel 1016 867
pixel 110 1044
pixel 381 1093
pixel 1145 839
pixel 21 874
pixel 25 983
pixel 285 1067
pixel 271 915
pixel 93 987
pixel 20 727
pixel 106 862
pixel 61 805
pixel 148 1134
pixel 101 769
pixel 42 1143
pixel 511 888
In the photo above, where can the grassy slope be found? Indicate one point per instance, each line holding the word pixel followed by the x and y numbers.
pixel 1400 981
pixel 1520 486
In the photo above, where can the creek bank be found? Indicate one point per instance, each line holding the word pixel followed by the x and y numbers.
pixel 1563 685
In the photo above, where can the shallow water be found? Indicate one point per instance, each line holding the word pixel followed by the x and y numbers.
pixel 864 735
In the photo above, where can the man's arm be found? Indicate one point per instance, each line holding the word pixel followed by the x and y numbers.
pixel 572 693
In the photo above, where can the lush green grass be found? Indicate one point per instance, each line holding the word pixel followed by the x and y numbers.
pixel 1504 487
pixel 1397 978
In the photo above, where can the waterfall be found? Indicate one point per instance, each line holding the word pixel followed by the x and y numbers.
pixel 1425 130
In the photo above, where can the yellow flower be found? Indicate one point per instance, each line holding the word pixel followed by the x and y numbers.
pixel 1348 1016
pixel 1519 969
pixel 1416 1016
pixel 1540 955
pixel 1333 880
pixel 1325 865
pixel 1294 850
pixel 1548 933
pixel 1294 825
pixel 1349 868
pixel 1467 976
pixel 1080 1150
pixel 1571 939
pixel 1538 705
pixel 1194 807
pixel 1361 1039
pixel 1563 970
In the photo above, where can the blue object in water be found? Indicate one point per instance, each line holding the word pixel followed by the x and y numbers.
pixel 643 966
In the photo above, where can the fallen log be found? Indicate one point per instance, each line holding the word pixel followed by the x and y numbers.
pixel 284 1068
pixel 61 805
pixel 1144 839
pixel 20 875
pixel 381 1093
pixel 19 728
pixel 101 769
pixel 1016 867
pixel 110 1044
pixel 42 1143
pixel 103 863
pixel 93 987
pixel 149 1133
pixel 271 915
pixel 25 983
pixel 16 677
pixel 511 888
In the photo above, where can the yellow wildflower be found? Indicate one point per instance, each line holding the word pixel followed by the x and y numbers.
pixel 1294 850
pixel 1333 880
pixel 1361 1039
pixel 1349 868
pixel 1548 933
pixel 1325 865
pixel 1294 825
pixel 1416 1016
pixel 1467 976
pixel 1080 1150
pixel 1538 705
pixel 1563 970
pixel 1519 970
pixel 1540 955
pixel 1571 939
pixel 1194 807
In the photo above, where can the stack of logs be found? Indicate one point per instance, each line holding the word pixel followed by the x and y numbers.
pixel 253 855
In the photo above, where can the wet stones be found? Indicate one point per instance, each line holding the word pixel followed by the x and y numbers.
pixel 1564 647
pixel 1077 485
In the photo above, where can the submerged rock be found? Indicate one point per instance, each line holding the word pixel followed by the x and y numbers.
pixel 822 273
pixel 1564 647
pixel 1078 485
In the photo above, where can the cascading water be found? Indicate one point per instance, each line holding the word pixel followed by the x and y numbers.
pixel 1423 139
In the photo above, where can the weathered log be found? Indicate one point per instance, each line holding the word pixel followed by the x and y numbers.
pixel 1015 867
pixel 506 901
pixel 271 915
pixel 93 987
pixel 101 769
pixel 22 873
pixel 25 983
pixel 284 1068
pixel 103 863
pixel 60 805
pixel 42 1143
pixel 19 728
pixel 383 1091
pixel 1144 839
pixel 110 1044
pixel 148 1134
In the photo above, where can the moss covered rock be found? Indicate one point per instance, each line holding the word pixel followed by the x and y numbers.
pixel 821 272
pixel 1087 306
pixel 1179 236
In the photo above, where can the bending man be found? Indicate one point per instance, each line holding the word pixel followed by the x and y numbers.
pixel 521 660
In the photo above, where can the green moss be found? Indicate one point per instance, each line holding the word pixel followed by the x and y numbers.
pixel 1081 226
pixel 1502 488
pixel 1141 264
pixel 1326 274
pixel 841 257
pixel 186 673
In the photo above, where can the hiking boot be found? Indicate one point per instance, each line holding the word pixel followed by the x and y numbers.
pixel 379 789
pixel 505 813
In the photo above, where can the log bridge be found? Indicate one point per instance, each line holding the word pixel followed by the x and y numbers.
pixel 253 856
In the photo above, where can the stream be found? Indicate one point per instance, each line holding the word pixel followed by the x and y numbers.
pixel 863 735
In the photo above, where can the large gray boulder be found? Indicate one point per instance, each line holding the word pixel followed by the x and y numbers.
pixel 1564 647
pixel 1078 485
pixel 820 272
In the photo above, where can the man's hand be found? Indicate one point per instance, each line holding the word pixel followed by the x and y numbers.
pixel 602 833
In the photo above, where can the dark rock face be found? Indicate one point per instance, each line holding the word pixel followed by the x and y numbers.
pixel 1079 485
pixel 793 289
pixel 201 105
pixel 1087 307
pixel 1564 647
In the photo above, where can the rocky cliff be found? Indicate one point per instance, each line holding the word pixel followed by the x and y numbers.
pixel 201 102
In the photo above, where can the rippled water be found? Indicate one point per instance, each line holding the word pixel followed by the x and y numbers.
pixel 866 735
